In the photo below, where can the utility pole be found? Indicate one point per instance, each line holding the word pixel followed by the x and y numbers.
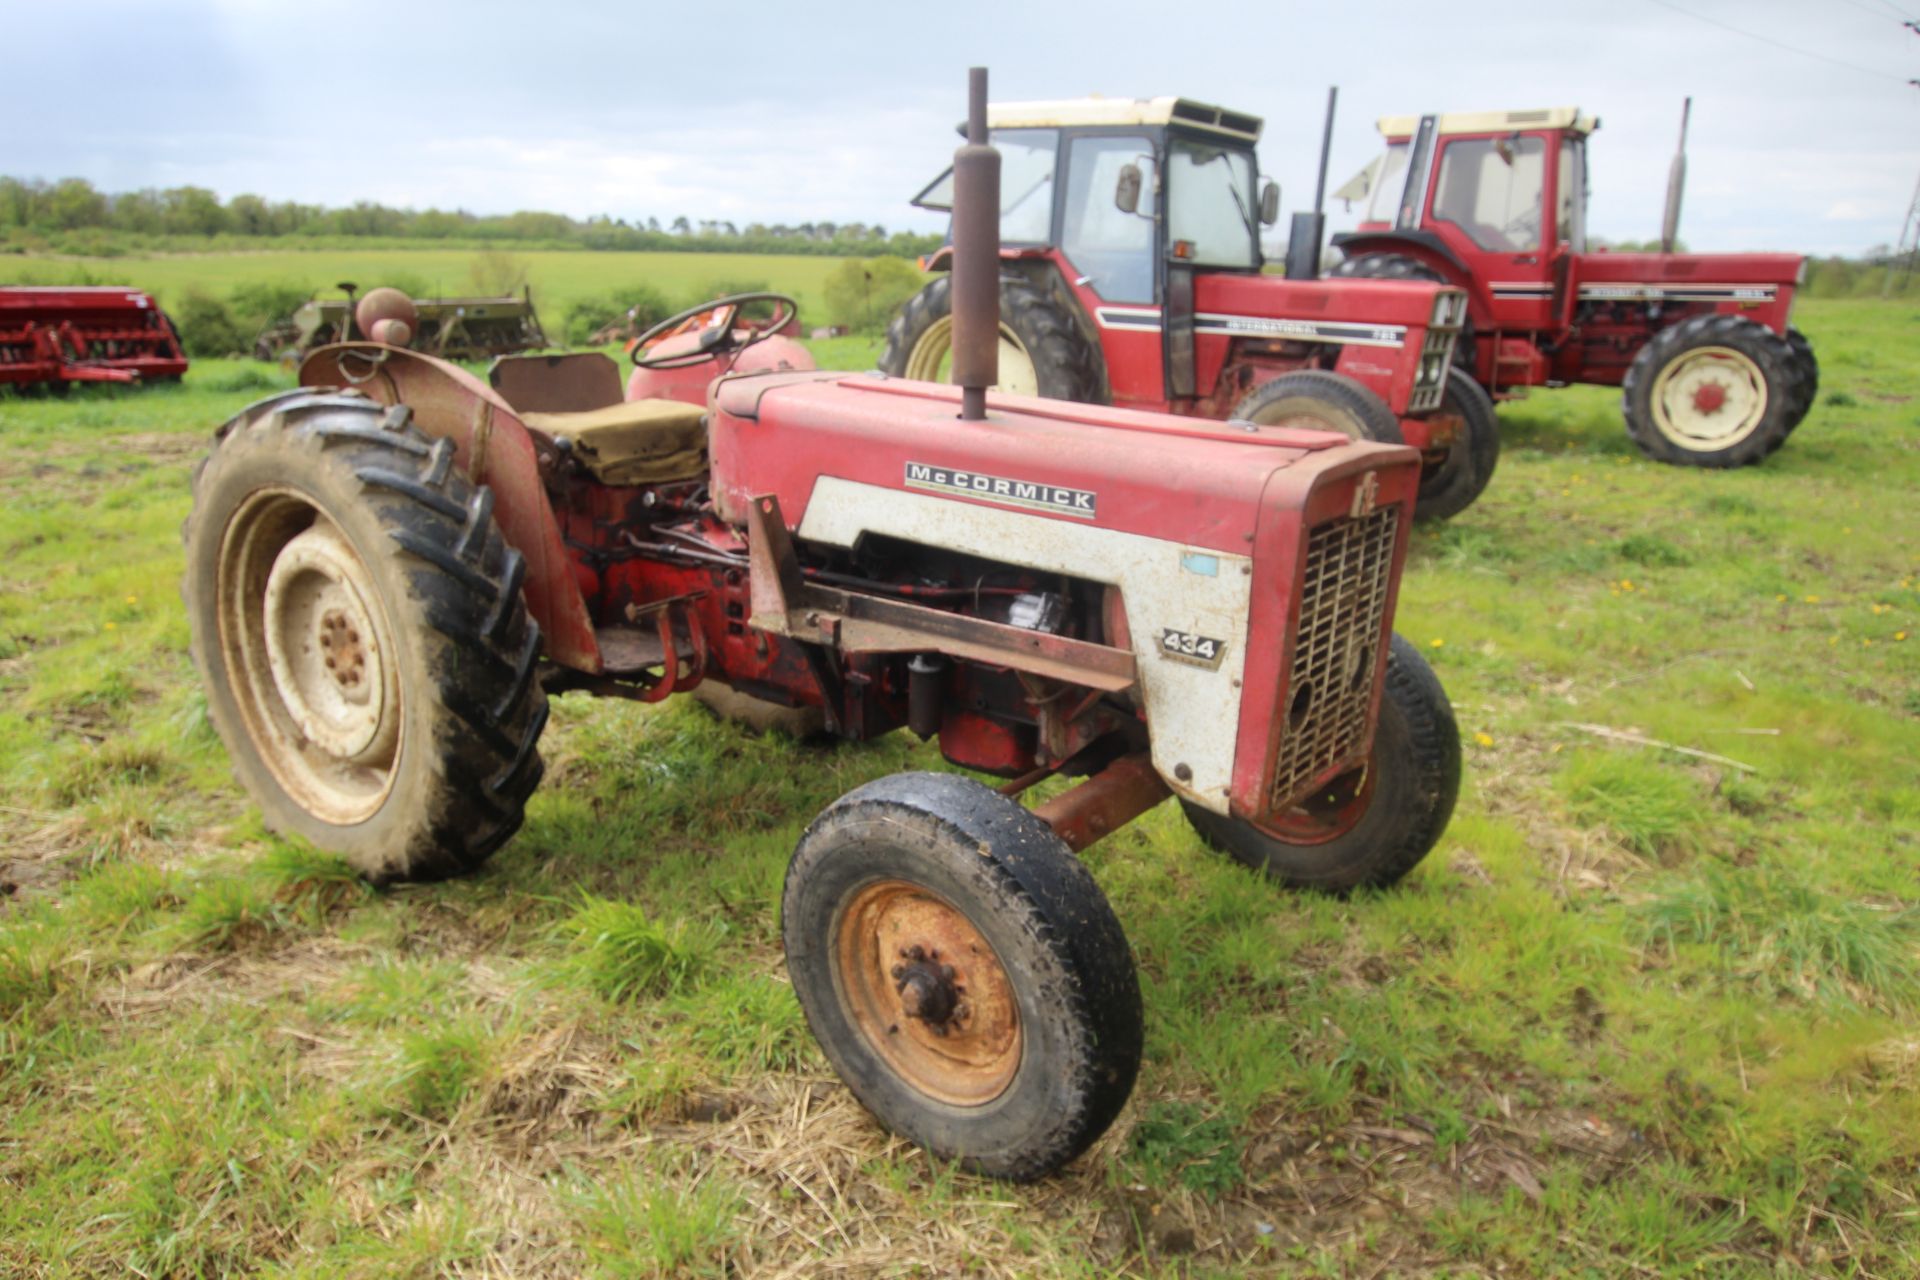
pixel 1909 246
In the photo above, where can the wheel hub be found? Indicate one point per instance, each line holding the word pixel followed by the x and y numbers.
pixel 927 989
pixel 1709 397
pixel 322 650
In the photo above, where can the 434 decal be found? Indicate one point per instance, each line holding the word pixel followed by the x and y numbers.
pixel 1191 647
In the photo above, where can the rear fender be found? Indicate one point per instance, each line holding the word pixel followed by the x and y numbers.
pixel 494 448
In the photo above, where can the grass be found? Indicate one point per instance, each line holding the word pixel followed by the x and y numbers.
pixel 1642 1013
pixel 558 277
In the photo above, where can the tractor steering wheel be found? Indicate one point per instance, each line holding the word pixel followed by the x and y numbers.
pixel 715 337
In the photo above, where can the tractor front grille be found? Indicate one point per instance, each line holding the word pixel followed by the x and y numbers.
pixel 1343 605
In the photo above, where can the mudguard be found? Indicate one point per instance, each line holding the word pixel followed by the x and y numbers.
pixel 494 447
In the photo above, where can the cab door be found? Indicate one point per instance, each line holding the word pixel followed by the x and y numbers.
pixel 1114 252
pixel 1489 204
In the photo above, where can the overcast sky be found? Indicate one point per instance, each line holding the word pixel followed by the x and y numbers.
pixel 1806 139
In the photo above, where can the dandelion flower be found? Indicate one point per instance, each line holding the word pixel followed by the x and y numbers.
pixel 1437 643
pixel 1484 739
pixel 1813 599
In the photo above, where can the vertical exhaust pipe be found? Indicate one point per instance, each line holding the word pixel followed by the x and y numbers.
pixel 976 257
pixel 1676 185
pixel 1308 229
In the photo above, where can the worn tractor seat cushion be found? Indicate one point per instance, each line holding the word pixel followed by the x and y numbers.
pixel 634 442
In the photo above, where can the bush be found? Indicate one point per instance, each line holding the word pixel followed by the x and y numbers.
pixel 207 328
pixel 643 306
pixel 256 306
pixel 863 293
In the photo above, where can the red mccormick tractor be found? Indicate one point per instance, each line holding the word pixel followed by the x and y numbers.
pixel 391 570
pixel 1495 203
pixel 57 336
pixel 1131 275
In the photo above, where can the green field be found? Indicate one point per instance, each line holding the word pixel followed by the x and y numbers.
pixel 558 277
pixel 1649 1009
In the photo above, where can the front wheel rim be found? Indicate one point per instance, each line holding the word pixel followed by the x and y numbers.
pixel 310 657
pixel 927 992
pixel 1709 398
pixel 931 360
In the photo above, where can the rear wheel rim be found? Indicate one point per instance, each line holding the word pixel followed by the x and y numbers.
pixel 927 992
pixel 1709 398
pixel 931 360
pixel 310 657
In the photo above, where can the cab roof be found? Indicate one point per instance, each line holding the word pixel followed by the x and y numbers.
pixel 1097 111
pixel 1494 122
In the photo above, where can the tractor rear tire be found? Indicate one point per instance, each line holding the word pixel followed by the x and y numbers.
pixel 1324 401
pixel 1712 391
pixel 1402 804
pixel 1398 266
pixel 1454 485
pixel 1042 350
pixel 963 973
pixel 1805 372
pixel 359 627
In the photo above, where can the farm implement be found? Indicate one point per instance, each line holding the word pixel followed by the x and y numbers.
pixel 392 569
pixel 1131 275
pixel 55 336
pixel 1712 372
pixel 452 328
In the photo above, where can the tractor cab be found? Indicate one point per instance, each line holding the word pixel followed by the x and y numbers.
pixel 1498 195
pixel 1136 197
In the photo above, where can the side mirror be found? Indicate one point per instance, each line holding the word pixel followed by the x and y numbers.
pixel 1270 203
pixel 1126 192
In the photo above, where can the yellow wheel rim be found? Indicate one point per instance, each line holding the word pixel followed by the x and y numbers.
pixel 931 360
pixel 1709 398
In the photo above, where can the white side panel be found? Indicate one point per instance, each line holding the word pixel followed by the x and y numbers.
pixel 1195 711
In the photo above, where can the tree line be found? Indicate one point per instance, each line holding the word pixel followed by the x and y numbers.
pixel 73 212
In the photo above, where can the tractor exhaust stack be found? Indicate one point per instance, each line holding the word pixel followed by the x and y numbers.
pixel 976 257
pixel 1309 229
pixel 1676 185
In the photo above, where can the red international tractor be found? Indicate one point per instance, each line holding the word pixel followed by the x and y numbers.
pixel 1495 203
pixel 54 337
pixel 1131 275
pixel 390 570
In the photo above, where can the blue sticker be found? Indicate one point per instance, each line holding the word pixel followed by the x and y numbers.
pixel 1207 566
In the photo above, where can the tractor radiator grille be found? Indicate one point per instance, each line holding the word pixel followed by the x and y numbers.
pixel 1343 604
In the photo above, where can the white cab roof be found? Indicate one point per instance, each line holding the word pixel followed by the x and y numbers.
pixel 1494 122
pixel 1097 111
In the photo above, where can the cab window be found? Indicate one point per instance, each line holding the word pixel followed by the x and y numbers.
pixel 1027 159
pixel 1211 204
pixel 1110 246
pixel 1491 189
pixel 1390 180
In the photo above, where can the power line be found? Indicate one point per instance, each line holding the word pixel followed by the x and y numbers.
pixel 1778 44
pixel 1864 7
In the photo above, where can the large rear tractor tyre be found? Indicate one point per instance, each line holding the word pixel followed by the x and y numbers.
pixel 963 973
pixel 1712 391
pixel 1042 350
pixel 359 628
pixel 1322 401
pixel 1451 485
pixel 1804 373
pixel 1374 825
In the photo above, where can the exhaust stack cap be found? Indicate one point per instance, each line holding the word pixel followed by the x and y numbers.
pixel 976 257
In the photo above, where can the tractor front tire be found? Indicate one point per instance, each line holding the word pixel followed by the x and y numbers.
pixel 1451 486
pixel 963 973
pixel 1374 826
pixel 1042 350
pixel 1712 391
pixel 1324 401
pixel 358 624
pixel 1804 371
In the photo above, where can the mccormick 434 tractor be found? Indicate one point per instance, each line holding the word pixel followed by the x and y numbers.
pixel 390 570
pixel 1131 275
pixel 1494 202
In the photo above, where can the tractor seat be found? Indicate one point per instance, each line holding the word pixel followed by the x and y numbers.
pixel 635 441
